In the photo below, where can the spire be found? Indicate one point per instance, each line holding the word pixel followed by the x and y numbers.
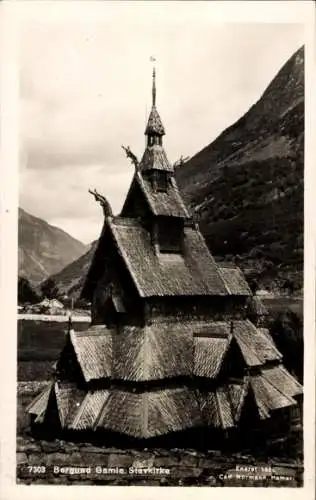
pixel 154 127
pixel 154 87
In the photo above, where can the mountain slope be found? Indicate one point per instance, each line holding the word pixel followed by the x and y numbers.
pixel 71 278
pixel 44 249
pixel 248 183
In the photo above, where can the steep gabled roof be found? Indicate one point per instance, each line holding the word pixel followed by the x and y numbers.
pixel 159 203
pixel 193 273
pixel 167 203
pixel 39 405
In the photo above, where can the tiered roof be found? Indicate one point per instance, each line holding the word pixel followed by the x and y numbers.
pixel 160 352
pixel 168 349
pixel 152 413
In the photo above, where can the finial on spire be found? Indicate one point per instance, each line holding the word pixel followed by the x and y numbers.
pixel 154 86
pixel 154 125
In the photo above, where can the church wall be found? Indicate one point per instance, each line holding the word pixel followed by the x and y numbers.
pixel 196 308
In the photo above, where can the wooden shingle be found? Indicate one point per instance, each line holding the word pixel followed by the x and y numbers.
pixel 93 348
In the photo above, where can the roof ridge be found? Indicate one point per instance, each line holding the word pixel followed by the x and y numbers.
pixel 79 411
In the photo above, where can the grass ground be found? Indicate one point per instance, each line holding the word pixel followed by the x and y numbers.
pixel 39 345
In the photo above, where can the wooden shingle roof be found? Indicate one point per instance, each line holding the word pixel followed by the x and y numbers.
pixel 194 273
pixel 154 124
pixel 235 281
pixel 93 349
pixel 68 399
pixel 209 353
pixel 155 158
pixel 39 405
pixel 282 380
pixel 167 203
pixel 268 397
pixel 216 409
pixel 156 351
pixel 89 410
pixel 167 349
pixel 257 348
pixel 150 414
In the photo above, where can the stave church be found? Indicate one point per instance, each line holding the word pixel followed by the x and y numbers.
pixel 171 353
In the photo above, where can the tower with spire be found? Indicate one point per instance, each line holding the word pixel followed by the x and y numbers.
pixel 170 351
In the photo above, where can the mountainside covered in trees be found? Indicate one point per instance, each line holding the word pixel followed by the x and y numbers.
pixel 248 184
pixel 44 249
pixel 70 280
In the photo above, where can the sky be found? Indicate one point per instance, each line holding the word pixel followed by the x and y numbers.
pixel 85 90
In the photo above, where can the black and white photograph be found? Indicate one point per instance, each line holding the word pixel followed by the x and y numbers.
pixel 160 260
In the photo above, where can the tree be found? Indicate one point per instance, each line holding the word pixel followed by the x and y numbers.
pixel 287 331
pixel 49 289
pixel 26 294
